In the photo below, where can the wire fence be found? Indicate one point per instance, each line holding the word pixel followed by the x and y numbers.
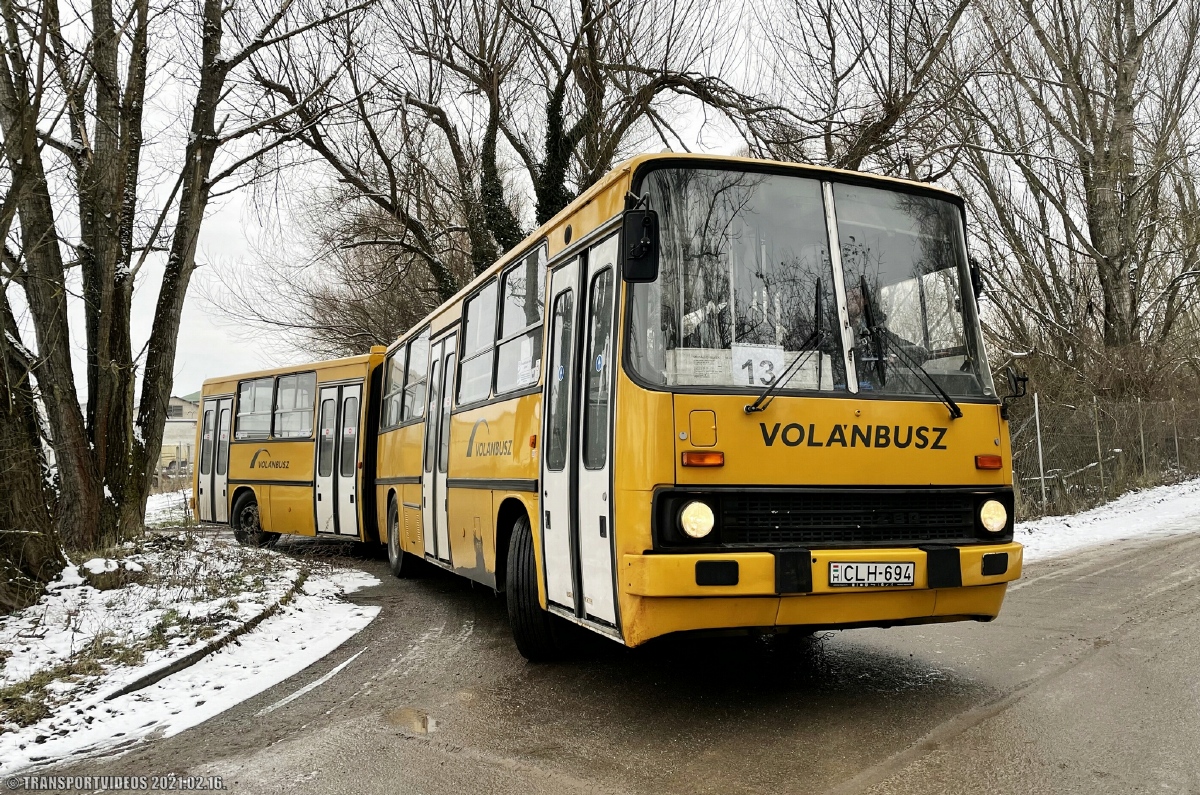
pixel 1070 457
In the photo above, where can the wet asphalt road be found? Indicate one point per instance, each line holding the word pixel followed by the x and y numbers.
pixel 1089 682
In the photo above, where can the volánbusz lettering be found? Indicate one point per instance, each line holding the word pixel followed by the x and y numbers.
pixel 793 434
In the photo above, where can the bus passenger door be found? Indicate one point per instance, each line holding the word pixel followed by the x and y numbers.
pixel 434 514
pixel 594 456
pixel 208 425
pixel 559 553
pixel 213 485
pixel 220 481
pixel 346 494
pixel 327 444
pixel 576 466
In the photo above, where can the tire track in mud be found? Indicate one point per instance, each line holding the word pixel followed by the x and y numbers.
pixel 1136 610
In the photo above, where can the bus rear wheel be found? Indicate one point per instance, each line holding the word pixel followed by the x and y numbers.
pixel 246 527
pixel 401 563
pixel 532 627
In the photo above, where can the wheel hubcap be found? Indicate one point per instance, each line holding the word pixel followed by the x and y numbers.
pixel 249 519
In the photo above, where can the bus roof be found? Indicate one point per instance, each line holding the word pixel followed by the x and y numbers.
pixel 347 361
pixel 622 172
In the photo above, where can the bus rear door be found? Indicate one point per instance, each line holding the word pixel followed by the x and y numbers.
pixel 338 428
pixel 213 500
pixel 435 516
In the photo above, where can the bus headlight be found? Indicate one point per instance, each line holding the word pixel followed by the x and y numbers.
pixel 993 516
pixel 696 519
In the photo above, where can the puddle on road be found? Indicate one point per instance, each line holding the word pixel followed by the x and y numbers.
pixel 411 718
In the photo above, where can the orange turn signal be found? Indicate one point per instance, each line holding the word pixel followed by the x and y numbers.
pixel 697 458
pixel 533 442
pixel 988 462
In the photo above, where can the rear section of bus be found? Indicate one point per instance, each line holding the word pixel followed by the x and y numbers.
pixel 802 433
pixel 290 450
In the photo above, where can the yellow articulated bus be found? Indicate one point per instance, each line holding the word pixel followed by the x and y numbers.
pixel 265 468
pixel 712 393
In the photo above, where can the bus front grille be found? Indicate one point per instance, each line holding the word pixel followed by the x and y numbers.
pixel 810 519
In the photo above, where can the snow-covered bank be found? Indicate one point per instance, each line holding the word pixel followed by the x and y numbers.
pixel 169 508
pixel 1160 511
pixel 61 658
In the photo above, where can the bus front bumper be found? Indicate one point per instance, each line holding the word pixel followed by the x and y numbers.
pixel 670 592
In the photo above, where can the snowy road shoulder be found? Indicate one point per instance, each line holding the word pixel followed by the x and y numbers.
pixel 1138 515
pixel 54 646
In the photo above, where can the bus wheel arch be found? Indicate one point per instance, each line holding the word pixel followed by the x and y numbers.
pixel 401 563
pixel 244 519
pixel 512 510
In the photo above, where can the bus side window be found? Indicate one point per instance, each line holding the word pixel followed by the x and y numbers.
pixel 595 415
pixel 414 383
pixel 559 375
pixel 478 346
pixel 522 299
pixel 349 452
pixel 223 444
pixel 206 443
pixel 393 388
pixel 325 443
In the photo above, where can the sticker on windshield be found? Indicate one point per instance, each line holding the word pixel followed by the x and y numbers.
pixel 756 365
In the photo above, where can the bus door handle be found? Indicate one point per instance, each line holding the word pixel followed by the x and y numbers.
pixel 604 527
pixel 318 496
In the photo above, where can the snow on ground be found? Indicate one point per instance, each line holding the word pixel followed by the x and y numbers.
pixel 168 508
pixel 100 640
pixel 1160 511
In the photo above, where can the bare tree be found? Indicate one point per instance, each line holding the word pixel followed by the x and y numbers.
pixel 1080 161
pixel 74 93
pixel 492 100
pixel 353 289
pixel 863 84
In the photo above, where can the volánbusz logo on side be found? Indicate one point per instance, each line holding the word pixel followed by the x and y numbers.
pixel 267 462
pixel 920 437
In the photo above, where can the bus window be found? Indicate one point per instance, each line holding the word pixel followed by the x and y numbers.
pixel 294 405
pixel 206 441
pixel 254 409
pixel 523 296
pixel 444 451
pixel 414 385
pixel 223 444
pixel 325 443
pixel 430 436
pixel 348 456
pixel 598 361
pixel 479 339
pixel 560 373
pixel 393 389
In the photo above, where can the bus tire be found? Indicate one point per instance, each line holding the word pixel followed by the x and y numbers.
pixel 400 562
pixel 246 527
pixel 532 627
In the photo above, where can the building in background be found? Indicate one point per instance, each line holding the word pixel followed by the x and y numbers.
pixel 179 441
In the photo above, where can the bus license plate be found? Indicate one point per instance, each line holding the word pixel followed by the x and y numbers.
pixel 871 575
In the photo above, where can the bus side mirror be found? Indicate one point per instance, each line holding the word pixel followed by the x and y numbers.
pixel 976 277
pixel 639 240
pixel 1017 385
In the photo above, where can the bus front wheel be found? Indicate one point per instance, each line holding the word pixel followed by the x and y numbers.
pixel 246 527
pixel 400 562
pixel 532 627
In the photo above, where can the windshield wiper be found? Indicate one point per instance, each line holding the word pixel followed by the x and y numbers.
pixel 805 351
pixel 927 379
pixel 878 335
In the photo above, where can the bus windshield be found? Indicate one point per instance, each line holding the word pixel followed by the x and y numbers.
pixel 746 288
